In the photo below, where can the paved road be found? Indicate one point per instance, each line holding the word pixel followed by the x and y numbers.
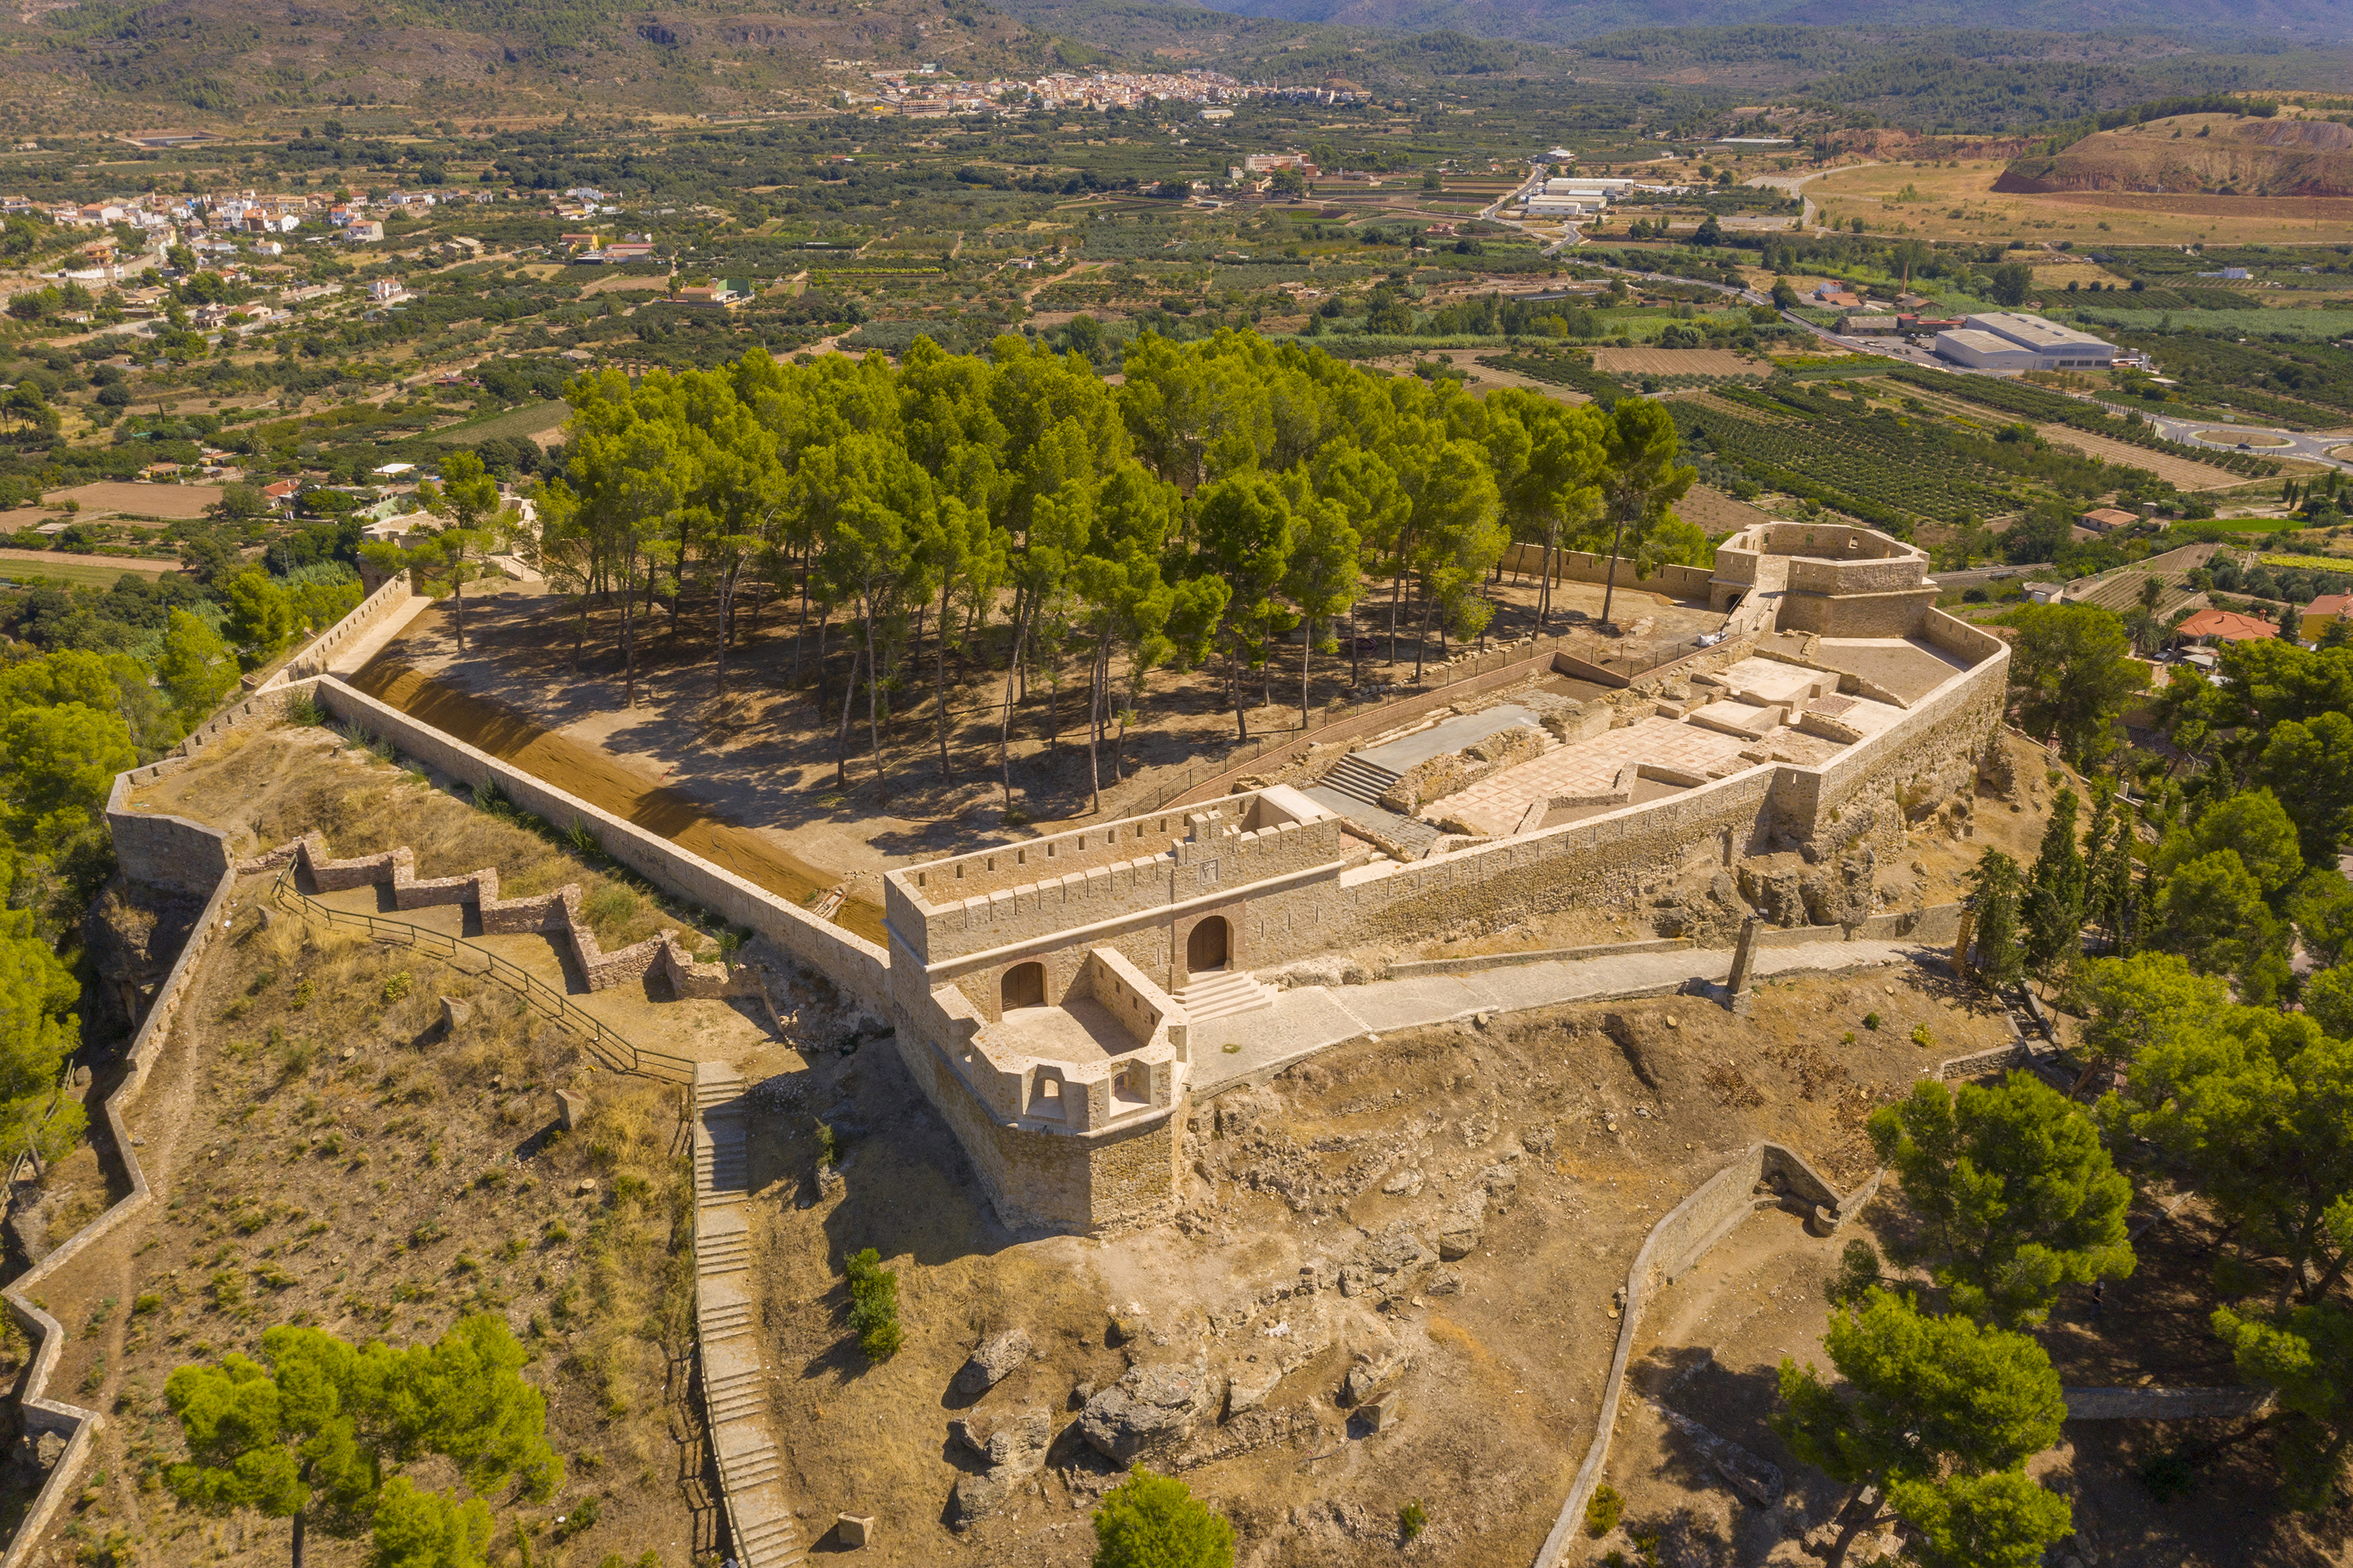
pixel 2297 443
pixel 1315 1018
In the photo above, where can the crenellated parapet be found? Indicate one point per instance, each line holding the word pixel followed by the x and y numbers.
pixel 554 914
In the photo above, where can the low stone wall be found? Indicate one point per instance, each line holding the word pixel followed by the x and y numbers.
pixel 2166 1404
pixel 1582 566
pixel 556 913
pixel 162 851
pixel 267 705
pixel 1415 968
pixel 1435 777
pixel 1674 1245
pixel 36 1412
pixel 314 657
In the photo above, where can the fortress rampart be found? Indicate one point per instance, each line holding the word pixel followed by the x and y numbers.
pixel 1038 989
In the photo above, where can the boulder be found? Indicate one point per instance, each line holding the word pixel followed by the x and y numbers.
pixel 1403 1184
pixel 995 1356
pixel 455 1014
pixel 1459 1230
pixel 571 1108
pixel 1247 1387
pixel 1015 1449
pixel 40 1450
pixel 1372 1372
pixel 1149 1408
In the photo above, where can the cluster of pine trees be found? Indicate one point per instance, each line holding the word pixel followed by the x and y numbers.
pixel 1226 494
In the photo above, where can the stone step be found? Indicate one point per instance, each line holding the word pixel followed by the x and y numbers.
pixel 1222 995
pixel 753 1466
pixel 771 1542
pixel 725 1319
pixel 1359 779
pixel 728 1382
pixel 734 1406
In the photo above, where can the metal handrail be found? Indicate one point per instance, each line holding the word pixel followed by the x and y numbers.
pixel 606 1043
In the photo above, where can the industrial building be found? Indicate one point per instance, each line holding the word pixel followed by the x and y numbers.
pixel 2006 339
pixel 1578 196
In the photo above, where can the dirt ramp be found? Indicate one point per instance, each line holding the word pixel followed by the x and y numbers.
pixel 604 781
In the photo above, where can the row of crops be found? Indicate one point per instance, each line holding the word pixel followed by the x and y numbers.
pixel 1891 470
pixel 2030 402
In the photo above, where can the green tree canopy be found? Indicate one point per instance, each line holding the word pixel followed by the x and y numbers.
pixel 1154 1521
pixel 2257 1104
pixel 1926 1402
pixel 2071 673
pixel 314 1430
pixel 2016 1195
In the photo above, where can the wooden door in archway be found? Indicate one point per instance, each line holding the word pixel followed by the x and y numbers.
pixel 1208 947
pixel 1025 986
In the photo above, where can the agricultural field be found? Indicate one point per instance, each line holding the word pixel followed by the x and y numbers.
pixel 1667 362
pixel 1889 469
pixel 1957 201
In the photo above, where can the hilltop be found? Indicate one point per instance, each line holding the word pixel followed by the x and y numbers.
pixel 229 61
pixel 2213 154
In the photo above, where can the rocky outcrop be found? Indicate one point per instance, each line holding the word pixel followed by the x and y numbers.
pixel 1149 1409
pixel 1014 1448
pixel 995 1357
pixel 2218 154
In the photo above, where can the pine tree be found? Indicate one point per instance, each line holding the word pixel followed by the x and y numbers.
pixel 2052 907
pixel 1993 898
pixel 1931 1410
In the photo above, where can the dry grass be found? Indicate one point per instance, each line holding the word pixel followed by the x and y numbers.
pixel 325 1153
pixel 2087 216
pixel 265 787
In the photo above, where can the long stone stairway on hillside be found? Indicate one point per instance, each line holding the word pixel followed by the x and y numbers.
pixel 734 1397
pixel 1221 993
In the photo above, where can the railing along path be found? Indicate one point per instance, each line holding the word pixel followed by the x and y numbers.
pixel 604 1042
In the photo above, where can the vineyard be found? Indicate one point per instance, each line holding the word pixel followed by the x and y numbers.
pixel 2029 402
pixel 1892 470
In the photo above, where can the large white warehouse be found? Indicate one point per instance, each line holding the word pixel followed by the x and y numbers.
pixel 2006 339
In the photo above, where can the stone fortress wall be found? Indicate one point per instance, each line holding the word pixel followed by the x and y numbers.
pixel 1108 913
pixel 1111 913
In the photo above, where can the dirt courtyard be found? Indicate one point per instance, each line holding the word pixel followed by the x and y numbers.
pixel 772 771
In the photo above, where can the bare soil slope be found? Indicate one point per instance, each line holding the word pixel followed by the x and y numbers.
pixel 1313 1241
pixel 2198 153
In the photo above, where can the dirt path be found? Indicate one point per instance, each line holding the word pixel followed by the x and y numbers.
pixel 601 781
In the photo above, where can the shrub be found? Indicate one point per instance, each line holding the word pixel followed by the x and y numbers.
pixel 1412 1520
pixel 1603 1509
pixel 874 1306
pixel 397 986
pixel 1156 1521
pixel 829 1145
pixel 305 710
pixel 1870 1020
pixel 1923 1036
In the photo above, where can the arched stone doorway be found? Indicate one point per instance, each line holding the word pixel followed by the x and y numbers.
pixel 1208 946
pixel 1025 986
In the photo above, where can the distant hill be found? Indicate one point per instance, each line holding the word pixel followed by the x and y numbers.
pixel 1561 20
pixel 102 65
pixel 2209 153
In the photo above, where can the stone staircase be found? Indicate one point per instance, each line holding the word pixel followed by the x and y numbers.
pixel 1359 779
pixel 1222 994
pixel 735 1399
